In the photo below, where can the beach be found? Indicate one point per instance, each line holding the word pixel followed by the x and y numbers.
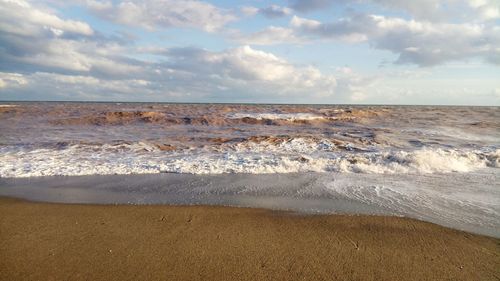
pixel 47 241
pixel 249 140
pixel 160 191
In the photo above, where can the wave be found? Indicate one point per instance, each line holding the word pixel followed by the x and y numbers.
pixel 145 117
pixel 279 116
pixel 296 155
pixel 186 116
pixel 149 117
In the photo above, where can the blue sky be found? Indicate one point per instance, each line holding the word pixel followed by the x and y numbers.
pixel 290 51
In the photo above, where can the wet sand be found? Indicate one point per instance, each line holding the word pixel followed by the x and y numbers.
pixel 42 241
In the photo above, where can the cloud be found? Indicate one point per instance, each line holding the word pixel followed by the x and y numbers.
pixel 415 42
pixel 245 64
pixel 44 55
pixel 422 43
pixel 160 14
pixel 249 10
pixel 311 5
pixel 428 10
pixel 236 74
pixel 275 11
pixel 11 80
pixel 244 73
pixel 33 39
pixel 496 93
pixel 270 36
pixel 20 18
pixel 270 12
pixel 446 10
pixel 77 63
pixel 32 36
pixel 350 30
pixel 54 86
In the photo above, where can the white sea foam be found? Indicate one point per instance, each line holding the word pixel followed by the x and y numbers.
pixel 299 155
pixel 278 116
pixel 464 199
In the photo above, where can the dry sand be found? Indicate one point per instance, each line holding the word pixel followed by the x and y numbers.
pixel 40 241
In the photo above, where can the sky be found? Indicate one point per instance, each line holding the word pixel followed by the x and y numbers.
pixel 444 52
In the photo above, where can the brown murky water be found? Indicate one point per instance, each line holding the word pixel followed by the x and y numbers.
pixel 115 138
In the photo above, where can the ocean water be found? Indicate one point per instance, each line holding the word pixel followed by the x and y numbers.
pixel 439 164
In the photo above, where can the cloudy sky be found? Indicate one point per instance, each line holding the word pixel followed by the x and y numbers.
pixel 288 51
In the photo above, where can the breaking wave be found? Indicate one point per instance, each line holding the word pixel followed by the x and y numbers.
pixel 279 116
pixel 296 155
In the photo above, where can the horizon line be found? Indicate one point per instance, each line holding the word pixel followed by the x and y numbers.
pixel 242 103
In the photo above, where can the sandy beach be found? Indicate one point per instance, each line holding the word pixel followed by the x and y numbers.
pixel 43 241
pixel 249 140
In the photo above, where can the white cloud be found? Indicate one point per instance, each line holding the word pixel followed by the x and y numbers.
pixel 271 12
pixel 354 87
pixel 55 86
pixel 21 18
pixel 158 14
pixel 428 10
pixel 245 72
pixel 310 5
pixel 237 74
pixel 8 80
pixel 346 29
pixel 496 93
pixel 275 11
pixel 87 67
pixel 297 22
pixel 426 43
pixel 34 39
pixel 422 43
pixel 446 10
pixel 249 11
pixel 45 56
pixel 270 36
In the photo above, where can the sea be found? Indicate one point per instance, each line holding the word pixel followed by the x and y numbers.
pixel 435 163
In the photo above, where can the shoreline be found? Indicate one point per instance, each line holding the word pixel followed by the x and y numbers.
pixel 310 193
pixel 160 242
